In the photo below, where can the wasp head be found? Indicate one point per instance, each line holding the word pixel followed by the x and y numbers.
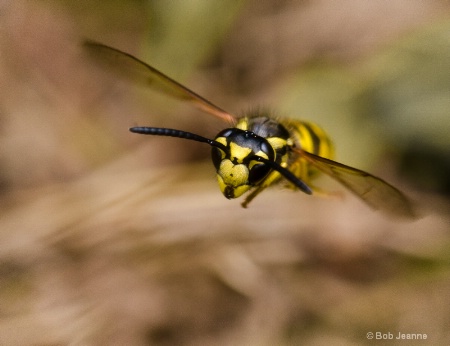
pixel 242 161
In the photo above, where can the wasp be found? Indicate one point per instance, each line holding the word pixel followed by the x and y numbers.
pixel 258 150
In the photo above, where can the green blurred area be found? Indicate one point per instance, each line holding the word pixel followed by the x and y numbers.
pixel 394 102
pixel 110 238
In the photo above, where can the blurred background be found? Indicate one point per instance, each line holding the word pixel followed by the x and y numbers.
pixel 109 238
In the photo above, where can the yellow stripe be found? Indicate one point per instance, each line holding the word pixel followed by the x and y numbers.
pixel 242 124
pixel 305 133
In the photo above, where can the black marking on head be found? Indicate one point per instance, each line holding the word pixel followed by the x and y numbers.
pixel 246 139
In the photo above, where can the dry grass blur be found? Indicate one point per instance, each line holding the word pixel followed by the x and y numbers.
pixel 107 238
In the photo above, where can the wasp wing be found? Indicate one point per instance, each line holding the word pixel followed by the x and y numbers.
pixel 139 71
pixel 375 192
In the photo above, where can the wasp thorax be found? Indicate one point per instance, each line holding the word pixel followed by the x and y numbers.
pixel 238 168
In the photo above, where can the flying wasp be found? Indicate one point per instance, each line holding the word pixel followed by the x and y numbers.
pixel 257 150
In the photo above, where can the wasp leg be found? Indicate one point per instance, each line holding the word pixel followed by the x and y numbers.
pixel 252 195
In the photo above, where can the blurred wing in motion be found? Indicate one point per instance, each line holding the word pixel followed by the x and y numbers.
pixel 377 193
pixel 137 70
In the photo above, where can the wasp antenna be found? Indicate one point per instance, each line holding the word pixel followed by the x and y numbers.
pixel 287 175
pixel 162 131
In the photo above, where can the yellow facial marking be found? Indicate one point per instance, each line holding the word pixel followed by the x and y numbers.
pixel 232 179
pixel 233 175
pixel 253 163
pixel 231 191
pixel 222 140
pixel 238 153
pixel 262 154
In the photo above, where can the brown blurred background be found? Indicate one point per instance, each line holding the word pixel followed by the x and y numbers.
pixel 109 238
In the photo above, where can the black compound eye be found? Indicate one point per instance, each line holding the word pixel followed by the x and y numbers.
pixel 258 172
pixel 216 155
pixel 226 133
pixel 267 149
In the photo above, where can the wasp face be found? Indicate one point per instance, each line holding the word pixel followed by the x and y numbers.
pixel 237 168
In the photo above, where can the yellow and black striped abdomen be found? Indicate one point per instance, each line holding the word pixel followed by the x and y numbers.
pixel 311 138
